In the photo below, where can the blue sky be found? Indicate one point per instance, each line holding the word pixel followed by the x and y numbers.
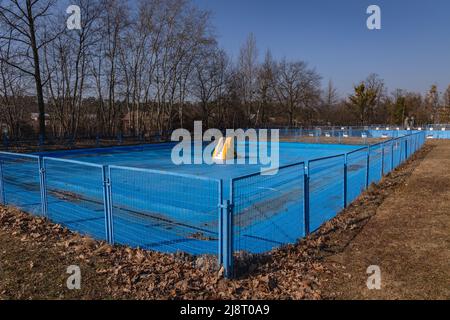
pixel 411 51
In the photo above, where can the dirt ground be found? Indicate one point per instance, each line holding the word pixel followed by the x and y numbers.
pixel 400 225
pixel 408 238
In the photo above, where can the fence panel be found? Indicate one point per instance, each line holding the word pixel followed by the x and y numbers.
pixel 412 144
pixel 397 153
pixel 387 162
pixel 416 142
pixel 408 145
pixel 75 196
pixel 356 173
pixel 402 150
pixel 20 185
pixel 326 189
pixel 268 209
pixel 165 212
pixel 375 163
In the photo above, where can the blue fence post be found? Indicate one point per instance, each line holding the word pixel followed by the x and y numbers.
pixel 43 187
pixel 368 167
pixel 306 199
pixel 345 180
pixel 220 219
pixel 110 205
pixel 227 238
pixel 382 159
pixel 2 185
pixel 107 203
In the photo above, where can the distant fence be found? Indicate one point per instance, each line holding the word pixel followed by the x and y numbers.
pixel 7 143
pixel 173 212
pixel 340 134
pixel 316 133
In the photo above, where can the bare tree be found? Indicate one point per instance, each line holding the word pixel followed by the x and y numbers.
pixel 265 92
pixel 329 101
pixel 432 101
pixel 374 83
pixel 248 70
pixel 208 79
pixel 296 87
pixel 24 27
pixel 157 65
pixel 13 86
pixel 445 114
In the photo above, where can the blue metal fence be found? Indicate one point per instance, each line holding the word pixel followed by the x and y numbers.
pixel 20 184
pixel 165 211
pixel 329 184
pixel 326 188
pixel 375 163
pixel 268 209
pixel 356 173
pixel 75 196
pixel 172 212
pixel 342 133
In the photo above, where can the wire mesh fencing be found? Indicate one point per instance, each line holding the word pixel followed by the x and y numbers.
pixel 268 210
pixel 396 153
pixel 165 212
pixel 75 196
pixel 388 157
pixel 375 163
pixel 326 189
pixel 170 212
pixel 365 133
pixel 356 173
pixel 20 184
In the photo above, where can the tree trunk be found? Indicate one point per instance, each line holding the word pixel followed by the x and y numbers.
pixel 37 74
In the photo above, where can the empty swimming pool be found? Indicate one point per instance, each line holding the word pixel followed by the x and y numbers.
pixel 136 196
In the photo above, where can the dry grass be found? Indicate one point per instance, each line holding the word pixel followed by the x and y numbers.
pixel 393 224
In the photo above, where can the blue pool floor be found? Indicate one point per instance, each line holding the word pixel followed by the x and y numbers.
pixel 158 157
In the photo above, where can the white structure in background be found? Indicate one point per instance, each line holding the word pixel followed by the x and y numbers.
pixel 224 150
pixel 35 117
